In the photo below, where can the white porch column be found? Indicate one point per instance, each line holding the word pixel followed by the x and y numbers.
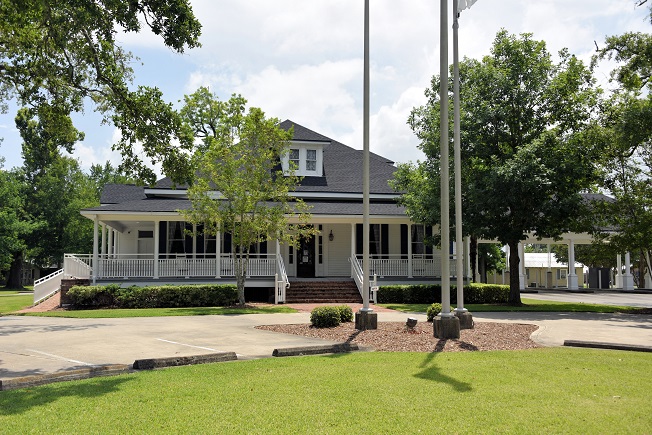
pixel 102 252
pixel 572 276
pixel 619 271
pixel 157 241
pixel 409 253
pixel 110 247
pixel 628 279
pixel 521 267
pixel 218 254
pixel 103 249
pixel 352 247
pixel 95 248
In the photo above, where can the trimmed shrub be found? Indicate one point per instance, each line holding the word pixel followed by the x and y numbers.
pixel 346 313
pixel 325 317
pixel 432 311
pixel 167 296
pixel 431 293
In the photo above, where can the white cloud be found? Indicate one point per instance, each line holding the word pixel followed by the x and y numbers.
pixel 303 60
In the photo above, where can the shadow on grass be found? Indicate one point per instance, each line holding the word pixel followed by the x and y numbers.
pixel 16 402
pixel 430 371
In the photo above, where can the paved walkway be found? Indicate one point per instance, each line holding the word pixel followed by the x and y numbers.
pixel 39 345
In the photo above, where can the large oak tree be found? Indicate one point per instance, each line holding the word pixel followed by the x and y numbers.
pixel 524 119
pixel 64 54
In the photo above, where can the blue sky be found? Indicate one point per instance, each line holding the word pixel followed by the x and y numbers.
pixel 302 60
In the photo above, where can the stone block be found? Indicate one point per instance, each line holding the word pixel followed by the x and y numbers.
pixel 366 320
pixel 446 327
pixel 466 319
pixel 156 363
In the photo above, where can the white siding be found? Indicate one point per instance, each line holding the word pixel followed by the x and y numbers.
pixel 394 239
pixel 339 250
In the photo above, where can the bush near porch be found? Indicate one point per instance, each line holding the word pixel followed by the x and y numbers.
pixel 167 296
pixel 431 293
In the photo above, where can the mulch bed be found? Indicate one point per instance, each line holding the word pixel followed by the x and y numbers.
pixel 396 337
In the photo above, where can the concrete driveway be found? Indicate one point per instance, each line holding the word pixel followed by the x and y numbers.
pixel 40 345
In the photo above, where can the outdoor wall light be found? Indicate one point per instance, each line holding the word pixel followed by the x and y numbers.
pixel 331 236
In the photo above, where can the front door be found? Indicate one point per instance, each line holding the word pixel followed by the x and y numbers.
pixel 306 258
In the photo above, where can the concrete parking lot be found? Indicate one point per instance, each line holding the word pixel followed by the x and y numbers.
pixel 40 345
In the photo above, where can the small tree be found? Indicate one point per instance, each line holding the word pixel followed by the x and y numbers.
pixel 240 187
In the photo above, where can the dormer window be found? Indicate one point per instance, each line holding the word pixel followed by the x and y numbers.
pixel 311 160
pixel 307 158
pixel 294 157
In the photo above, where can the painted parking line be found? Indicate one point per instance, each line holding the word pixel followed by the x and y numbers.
pixel 196 347
pixel 61 357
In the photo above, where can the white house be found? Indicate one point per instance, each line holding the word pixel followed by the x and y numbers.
pixel 140 236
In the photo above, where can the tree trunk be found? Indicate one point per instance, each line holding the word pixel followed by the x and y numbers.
pixel 514 282
pixel 482 269
pixel 15 273
pixel 240 261
pixel 473 253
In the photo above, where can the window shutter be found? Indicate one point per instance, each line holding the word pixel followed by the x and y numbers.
pixel 359 240
pixel 404 241
pixel 384 240
pixel 227 243
pixel 200 239
pixel 162 237
pixel 188 238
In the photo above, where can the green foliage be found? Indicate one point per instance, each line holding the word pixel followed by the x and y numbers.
pixel 91 297
pixel 432 311
pixel 58 55
pixel 325 317
pixel 346 313
pixel 14 224
pixel 239 158
pixel 431 293
pixel 525 157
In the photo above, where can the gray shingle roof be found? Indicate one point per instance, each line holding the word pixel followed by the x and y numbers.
pixel 342 167
pixel 168 205
pixel 117 193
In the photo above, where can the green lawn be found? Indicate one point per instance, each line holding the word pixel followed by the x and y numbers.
pixel 14 302
pixel 549 390
pixel 161 312
pixel 528 305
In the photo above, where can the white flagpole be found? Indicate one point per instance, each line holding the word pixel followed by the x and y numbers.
pixel 443 147
pixel 365 165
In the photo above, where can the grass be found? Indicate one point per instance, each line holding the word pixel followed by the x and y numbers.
pixel 7 291
pixel 550 390
pixel 161 312
pixel 530 305
pixel 14 302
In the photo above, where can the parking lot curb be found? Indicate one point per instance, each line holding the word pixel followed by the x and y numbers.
pixel 601 345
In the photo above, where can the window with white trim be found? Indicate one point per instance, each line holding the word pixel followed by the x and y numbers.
pixel 561 273
pixel 311 160
pixel 294 157
pixel 307 158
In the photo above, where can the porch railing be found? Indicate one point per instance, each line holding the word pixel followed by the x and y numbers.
pixel 47 285
pixel 77 265
pixel 123 266
pixel 282 281
pixel 399 265
pixel 358 274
